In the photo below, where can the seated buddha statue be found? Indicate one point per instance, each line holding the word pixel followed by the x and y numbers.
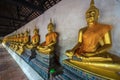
pixel 5 39
pixel 14 41
pixel 35 39
pixel 15 38
pixel 35 42
pixel 26 39
pixel 21 38
pixel 17 42
pixel 20 49
pixel 12 45
pixel 94 39
pixel 47 46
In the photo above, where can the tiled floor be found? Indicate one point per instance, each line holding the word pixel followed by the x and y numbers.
pixel 9 70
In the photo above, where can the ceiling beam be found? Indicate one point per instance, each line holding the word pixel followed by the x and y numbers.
pixel 26 4
pixel 28 15
pixel 4 26
pixel 2 34
pixel 6 30
pixel 22 15
pixel 9 18
pixel 17 10
pixel 5 33
pixel 54 1
pixel 7 27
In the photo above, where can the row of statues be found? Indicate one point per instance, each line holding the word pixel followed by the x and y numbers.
pixel 94 41
pixel 21 41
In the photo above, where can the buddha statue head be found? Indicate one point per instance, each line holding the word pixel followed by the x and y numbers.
pixel 26 33
pixel 36 31
pixel 92 13
pixel 21 37
pixel 15 37
pixel 18 36
pixel 50 26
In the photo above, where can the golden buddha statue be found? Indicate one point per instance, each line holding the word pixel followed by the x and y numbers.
pixel 93 43
pixel 93 39
pixel 5 40
pixel 15 38
pixel 18 37
pixel 17 42
pixel 20 45
pixel 9 38
pixel 21 38
pixel 47 47
pixel 35 39
pixel 26 39
pixel 34 44
pixel 13 42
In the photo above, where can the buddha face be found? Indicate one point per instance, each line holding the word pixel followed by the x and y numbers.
pixel 35 31
pixel 50 28
pixel 91 17
pixel 21 35
pixel 26 33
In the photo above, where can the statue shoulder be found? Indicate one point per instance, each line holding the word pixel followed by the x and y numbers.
pixel 83 29
pixel 56 33
pixel 105 26
pixel 38 35
pixel 47 34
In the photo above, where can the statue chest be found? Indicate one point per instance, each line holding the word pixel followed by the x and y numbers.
pixel 91 39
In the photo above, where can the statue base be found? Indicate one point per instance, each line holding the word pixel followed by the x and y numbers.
pixel 42 64
pixel 26 55
pixel 83 70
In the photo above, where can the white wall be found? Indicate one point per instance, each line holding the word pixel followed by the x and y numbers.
pixel 69 16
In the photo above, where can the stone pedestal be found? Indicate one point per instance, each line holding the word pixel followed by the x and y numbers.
pixel 42 64
pixel 26 55
pixel 86 72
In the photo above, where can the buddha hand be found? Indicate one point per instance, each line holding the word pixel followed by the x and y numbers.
pixel 69 53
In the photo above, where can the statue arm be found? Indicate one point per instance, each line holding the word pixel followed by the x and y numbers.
pixel 52 43
pixel 38 39
pixel 71 52
pixel 54 40
pixel 80 34
pixel 107 43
